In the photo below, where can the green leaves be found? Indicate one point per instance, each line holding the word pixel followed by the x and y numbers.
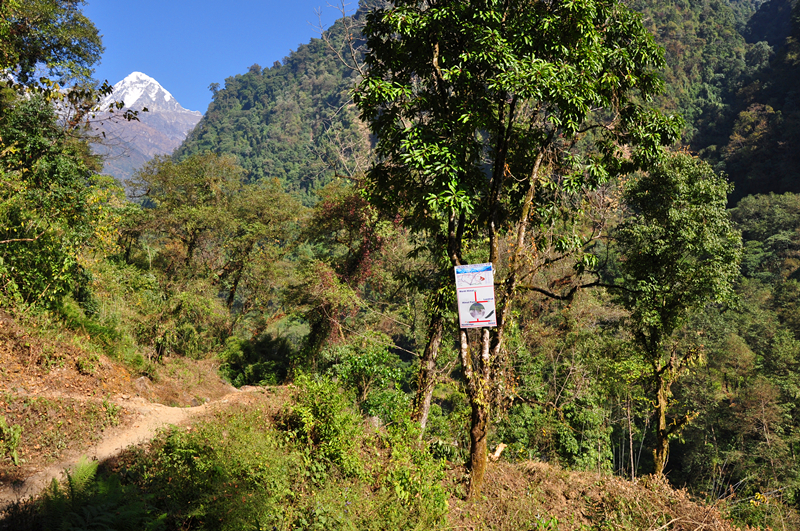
pixel 680 248
pixel 323 418
pixel 450 199
pixel 45 213
pixel 53 35
pixel 365 365
pixel 216 245
pixel 456 91
pixel 9 439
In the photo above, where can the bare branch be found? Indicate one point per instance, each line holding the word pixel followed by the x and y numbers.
pixel 17 240
pixel 571 292
pixel 352 28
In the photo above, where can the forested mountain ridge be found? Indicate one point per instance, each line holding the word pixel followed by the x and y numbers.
pixel 293 121
pixel 729 74
pixel 704 51
pixel 732 73
pixel 760 152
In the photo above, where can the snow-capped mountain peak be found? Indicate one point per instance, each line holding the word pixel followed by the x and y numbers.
pixel 128 145
pixel 139 90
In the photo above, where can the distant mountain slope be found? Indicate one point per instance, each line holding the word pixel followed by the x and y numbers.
pixel 705 53
pixel 733 74
pixel 294 121
pixel 760 150
pixel 772 23
pixel 128 145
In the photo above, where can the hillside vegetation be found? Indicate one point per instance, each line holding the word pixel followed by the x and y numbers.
pixel 312 463
pixel 729 73
pixel 649 339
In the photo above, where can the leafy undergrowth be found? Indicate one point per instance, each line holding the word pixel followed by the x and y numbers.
pixel 311 466
pixel 314 463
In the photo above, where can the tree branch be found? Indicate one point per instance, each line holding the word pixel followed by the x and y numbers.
pixel 572 290
pixel 16 240
pixel 350 27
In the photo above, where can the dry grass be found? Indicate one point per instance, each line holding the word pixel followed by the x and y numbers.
pixel 534 495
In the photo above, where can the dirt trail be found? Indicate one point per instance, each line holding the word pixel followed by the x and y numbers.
pixel 148 418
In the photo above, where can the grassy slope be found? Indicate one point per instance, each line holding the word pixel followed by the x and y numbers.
pixel 237 471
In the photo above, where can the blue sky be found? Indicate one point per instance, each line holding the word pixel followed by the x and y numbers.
pixel 188 44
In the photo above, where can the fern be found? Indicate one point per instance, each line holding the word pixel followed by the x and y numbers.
pixel 98 503
pixel 81 479
pixel 100 517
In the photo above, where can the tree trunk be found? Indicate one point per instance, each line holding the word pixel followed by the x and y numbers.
pixel 234 286
pixel 479 453
pixel 426 380
pixel 479 391
pixel 661 451
pixel 190 246
pixel 630 439
pixel 479 373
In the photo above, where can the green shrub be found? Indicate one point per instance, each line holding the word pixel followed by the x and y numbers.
pixel 760 511
pixel 322 418
pixel 266 360
pixel 82 292
pixel 107 337
pixel 390 405
pixel 364 365
pixel 230 474
pixel 237 471
pixel 414 475
pixel 9 439
pixel 577 436
pixel 187 323
pixel 449 419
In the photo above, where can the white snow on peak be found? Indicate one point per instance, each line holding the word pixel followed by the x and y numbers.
pixel 135 77
pixel 138 86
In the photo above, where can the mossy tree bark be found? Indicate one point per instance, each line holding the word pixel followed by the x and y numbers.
pixel 664 375
pixel 661 451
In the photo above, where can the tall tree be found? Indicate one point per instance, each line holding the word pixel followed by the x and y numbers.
pixel 46 207
pixel 495 117
pixel 190 204
pixel 53 35
pixel 681 252
pixel 213 234
pixel 46 214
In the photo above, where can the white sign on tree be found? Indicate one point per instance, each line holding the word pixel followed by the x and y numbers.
pixel 475 292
